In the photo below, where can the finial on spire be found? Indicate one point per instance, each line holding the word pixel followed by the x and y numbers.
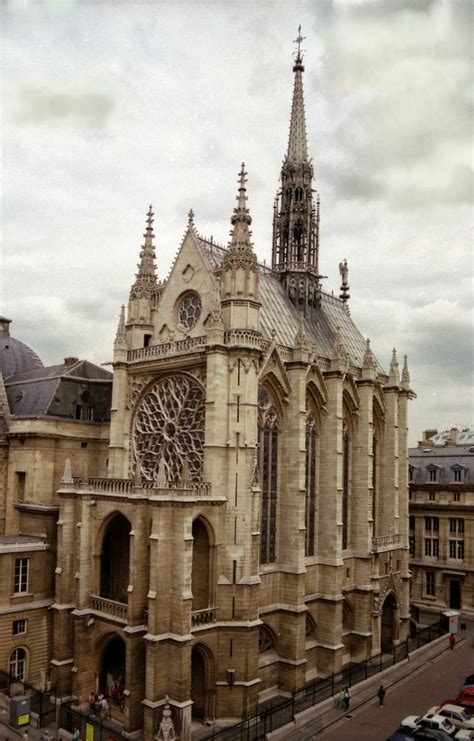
pixel 191 218
pixel 298 41
pixel 149 218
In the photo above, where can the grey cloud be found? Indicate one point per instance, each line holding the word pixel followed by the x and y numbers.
pixel 41 105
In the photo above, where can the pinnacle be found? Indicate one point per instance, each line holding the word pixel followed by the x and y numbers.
pixel 240 244
pixel 394 372
pixel 405 373
pixel 146 267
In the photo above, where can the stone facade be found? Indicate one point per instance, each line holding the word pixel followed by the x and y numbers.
pixel 441 526
pixel 252 531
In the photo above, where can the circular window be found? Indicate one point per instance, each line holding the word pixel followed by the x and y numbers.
pixel 189 310
pixel 169 426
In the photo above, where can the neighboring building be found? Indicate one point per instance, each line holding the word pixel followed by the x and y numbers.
pixel 441 526
pixel 47 416
pixel 252 532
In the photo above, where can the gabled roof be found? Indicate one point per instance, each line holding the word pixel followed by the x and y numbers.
pixel 280 319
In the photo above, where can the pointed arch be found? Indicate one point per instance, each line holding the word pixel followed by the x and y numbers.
pixel 202 681
pixel 312 475
pixel 202 564
pixel 377 445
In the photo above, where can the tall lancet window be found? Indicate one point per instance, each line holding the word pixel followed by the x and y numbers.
pixel 375 452
pixel 346 451
pixel 310 484
pixel 268 445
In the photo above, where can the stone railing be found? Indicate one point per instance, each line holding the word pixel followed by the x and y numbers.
pixel 382 540
pixel 109 607
pixel 128 486
pixel 111 486
pixel 247 337
pixel 174 347
pixel 203 617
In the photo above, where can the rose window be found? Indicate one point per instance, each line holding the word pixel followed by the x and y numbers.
pixel 169 427
pixel 189 310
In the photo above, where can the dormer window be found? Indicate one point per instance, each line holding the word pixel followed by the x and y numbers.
pixel 458 473
pixel 433 473
pixel 411 473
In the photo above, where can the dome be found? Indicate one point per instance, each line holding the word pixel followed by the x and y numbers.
pixel 15 356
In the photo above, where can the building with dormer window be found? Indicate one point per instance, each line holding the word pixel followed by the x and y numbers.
pixel 441 524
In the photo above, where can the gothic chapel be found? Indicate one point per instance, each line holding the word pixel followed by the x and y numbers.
pixel 251 533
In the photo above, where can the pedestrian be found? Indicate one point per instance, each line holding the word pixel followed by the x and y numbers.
pixel 91 701
pixel 452 641
pixel 115 694
pixel 25 735
pixel 76 736
pixel 104 706
pixel 381 695
pixel 347 698
pixel 45 736
pixel 341 697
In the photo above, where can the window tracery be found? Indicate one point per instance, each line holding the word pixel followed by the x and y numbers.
pixel 265 640
pixel 169 427
pixel 189 310
pixel 268 444
pixel 310 484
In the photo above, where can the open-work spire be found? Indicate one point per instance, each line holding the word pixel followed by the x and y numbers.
pixel 146 274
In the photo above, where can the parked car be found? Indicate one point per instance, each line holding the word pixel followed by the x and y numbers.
pixel 420 734
pixel 455 713
pixel 437 722
pixel 465 698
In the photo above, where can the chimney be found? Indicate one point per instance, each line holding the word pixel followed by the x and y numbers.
pixel 451 440
pixel 426 441
pixel 70 361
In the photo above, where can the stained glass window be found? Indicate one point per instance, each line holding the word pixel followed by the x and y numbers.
pixel 268 444
pixel 310 484
pixel 189 310
pixel 345 486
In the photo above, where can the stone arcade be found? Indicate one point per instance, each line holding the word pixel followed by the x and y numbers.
pixel 251 533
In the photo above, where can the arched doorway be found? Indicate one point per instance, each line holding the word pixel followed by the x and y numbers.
pixel 112 665
pixel 114 559
pixel 388 630
pixel 202 679
pixel 201 566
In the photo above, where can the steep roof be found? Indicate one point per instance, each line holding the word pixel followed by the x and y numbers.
pixel 280 320
pixel 36 392
pixel 444 460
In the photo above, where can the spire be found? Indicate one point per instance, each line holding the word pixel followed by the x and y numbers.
pixel 240 253
pixel 146 275
pixel 405 374
pixel 120 337
pixel 297 145
pixel 191 219
pixel 369 364
pixel 394 372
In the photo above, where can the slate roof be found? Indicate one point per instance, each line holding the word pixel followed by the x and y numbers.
pixel 16 357
pixel 279 316
pixel 443 459
pixel 41 391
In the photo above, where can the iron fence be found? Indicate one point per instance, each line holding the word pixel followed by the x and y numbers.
pixel 41 702
pixel 269 718
pixel 89 726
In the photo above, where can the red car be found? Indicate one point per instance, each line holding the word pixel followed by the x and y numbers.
pixel 465 698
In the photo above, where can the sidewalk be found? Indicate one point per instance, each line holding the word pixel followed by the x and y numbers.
pixel 311 722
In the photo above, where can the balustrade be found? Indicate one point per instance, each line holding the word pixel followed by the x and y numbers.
pixel 109 607
pixel 382 540
pixel 203 617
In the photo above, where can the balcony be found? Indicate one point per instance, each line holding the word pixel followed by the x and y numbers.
pixel 203 617
pixel 128 487
pixel 118 610
pixel 384 540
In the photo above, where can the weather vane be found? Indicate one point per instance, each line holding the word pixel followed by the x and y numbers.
pixel 298 41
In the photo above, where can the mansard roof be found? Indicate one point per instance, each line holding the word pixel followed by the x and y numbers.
pixel 50 391
pixel 280 319
pixel 15 356
pixel 444 460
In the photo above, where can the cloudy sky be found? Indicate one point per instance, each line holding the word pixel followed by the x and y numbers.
pixel 111 106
